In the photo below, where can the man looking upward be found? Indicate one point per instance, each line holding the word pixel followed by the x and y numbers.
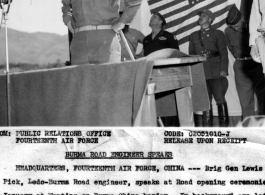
pixel 159 38
pixel 249 75
pixel 210 43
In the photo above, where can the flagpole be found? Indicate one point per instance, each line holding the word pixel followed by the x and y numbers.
pixel 7 81
pixel 126 45
pixel 7 66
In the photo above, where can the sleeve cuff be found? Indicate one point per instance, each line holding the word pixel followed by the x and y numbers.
pixel 224 67
pixel 123 19
pixel 67 19
pixel 252 38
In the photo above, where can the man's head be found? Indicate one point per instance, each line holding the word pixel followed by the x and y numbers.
pixel 234 18
pixel 206 18
pixel 157 20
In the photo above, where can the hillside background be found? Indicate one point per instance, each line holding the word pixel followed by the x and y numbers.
pixel 37 49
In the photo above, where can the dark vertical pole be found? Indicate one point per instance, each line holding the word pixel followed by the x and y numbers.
pixel 245 8
pixel 5 17
pixel 8 99
pixel 70 37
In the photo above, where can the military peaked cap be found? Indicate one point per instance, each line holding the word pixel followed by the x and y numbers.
pixel 233 16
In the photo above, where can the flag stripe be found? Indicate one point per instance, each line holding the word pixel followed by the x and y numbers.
pixel 181 15
pixel 161 3
pixel 191 13
pixel 190 9
pixel 168 5
pixel 220 20
pixel 151 2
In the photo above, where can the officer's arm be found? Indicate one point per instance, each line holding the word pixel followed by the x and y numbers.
pixel 173 42
pixel 140 37
pixel 67 14
pixel 140 55
pixel 191 46
pixel 144 46
pixel 227 39
pixel 66 9
pixel 130 9
pixel 223 51
pixel 254 22
pixel 140 40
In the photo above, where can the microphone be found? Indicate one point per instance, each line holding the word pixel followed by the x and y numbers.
pixel 5 1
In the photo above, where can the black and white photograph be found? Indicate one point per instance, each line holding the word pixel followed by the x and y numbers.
pixel 132 97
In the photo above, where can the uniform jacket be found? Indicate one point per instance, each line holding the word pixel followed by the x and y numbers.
pixel 162 40
pixel 213 41
pixel 238 42
pixel 98 12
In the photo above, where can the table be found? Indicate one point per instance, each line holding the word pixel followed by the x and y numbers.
pixel 169 74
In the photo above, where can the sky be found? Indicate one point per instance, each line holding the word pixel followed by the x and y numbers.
pixel 37 16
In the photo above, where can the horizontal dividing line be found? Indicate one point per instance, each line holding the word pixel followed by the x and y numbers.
pixel 111 158
pixel 194 169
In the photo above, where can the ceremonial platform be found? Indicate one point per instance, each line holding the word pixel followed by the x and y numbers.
pixel 120 94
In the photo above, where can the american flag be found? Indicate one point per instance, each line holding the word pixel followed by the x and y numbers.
pixel 181 15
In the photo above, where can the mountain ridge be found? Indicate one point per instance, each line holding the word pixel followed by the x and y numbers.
pixel 34 48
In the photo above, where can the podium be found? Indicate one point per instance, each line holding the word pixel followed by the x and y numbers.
pixel 118 94
pixel 167 75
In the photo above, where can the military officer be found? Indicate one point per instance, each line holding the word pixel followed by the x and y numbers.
pixel 249 75
pixel 211 43
pixel 159 38
pixel 94 24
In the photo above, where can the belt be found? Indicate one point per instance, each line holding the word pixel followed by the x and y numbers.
pixel 92 27
pixel 244 58
pixel 211 54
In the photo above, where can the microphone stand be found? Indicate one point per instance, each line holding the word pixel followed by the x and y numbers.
pixel 5 18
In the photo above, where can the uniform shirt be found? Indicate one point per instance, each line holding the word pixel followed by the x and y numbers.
pixel 162 40
pixel 97 12
pixel 213 41
pixel 238 42
pixel 133 38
